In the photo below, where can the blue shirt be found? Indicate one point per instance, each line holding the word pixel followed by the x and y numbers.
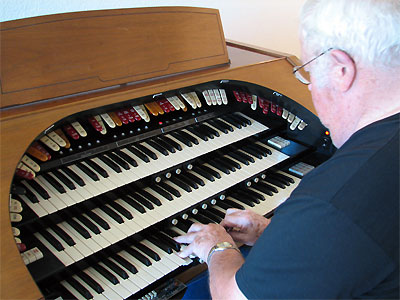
pixel 337 236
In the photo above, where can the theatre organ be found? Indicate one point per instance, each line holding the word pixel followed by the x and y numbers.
pixel 119 128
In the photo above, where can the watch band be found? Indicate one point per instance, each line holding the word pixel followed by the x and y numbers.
pixel 220 247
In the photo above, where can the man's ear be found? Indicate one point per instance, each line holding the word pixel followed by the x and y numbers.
pixel 343 70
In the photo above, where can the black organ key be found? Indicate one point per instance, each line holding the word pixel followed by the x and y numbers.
pixel 62 234
pixel 146 203
pixel 118 160
pixel 254 194
pixel 150 197
pixel 168 240
pixel 121 210
pixel 251 151
pixel 181 184
pixel 138 153
pixel 107 274
pixel 216 212
pixel 231 121
pixel 193 178
pixel 237 119
pixel 110 163
pixel 161 141
pixel 197 133
pixel 158 147
pixel 204 130
pixel 28 193
pixel 239 158
pixel 228 204
pixel 126 157
pixel 97 168
pixel 75 177
pixel 242 199
pixel 146 250
pixel 215 218
pixel 184 225
pixel 220 166
pixel 242 118
pixel 137 206
pixel 87 171
pixel 115 268
pixel 100 221
pixel 203 173
pixel 146 151
pixel 211 171
pixel 79 228
pixel 163 193
pixel 262 188
pixel 186 179
pixel 221 124
pixel 285 179
pixel 245 156
pixel 39 189
pixel 231 162
pixel 261 147
pixel 160 244
pixel 64 179
pixel 202 219
pixel 18 190
pixel 211 130
pixel 79 287
pixel 89 224
pixel 268 186
pixel 274 181
pixel 182 139
pixel 54 183
pixel 139 256
pixel 171 142
pixel 246 193
pixel 218 126
pixel 52 240
pixel 233 204
pixel 91 282
pixel 125 263
pixel 169 189
pixel 188 137
pixel 112 214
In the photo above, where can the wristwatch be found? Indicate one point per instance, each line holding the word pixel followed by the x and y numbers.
pixel 220 247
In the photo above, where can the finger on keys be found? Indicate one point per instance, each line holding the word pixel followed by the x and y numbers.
pixel 196 227
pixel 186 251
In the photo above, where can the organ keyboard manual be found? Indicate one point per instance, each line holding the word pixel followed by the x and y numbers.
pixel 120 128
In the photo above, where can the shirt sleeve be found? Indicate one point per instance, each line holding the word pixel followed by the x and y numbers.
pixel 312 250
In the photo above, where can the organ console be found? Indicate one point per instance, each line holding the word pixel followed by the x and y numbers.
pixel 120 128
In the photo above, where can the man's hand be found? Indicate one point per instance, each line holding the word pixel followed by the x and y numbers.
pixel 244 226
pixel 201 238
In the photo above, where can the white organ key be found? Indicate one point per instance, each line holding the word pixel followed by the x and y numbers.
pixel 90 185
pixel 36 207
pixel 73 194
pixel 143 271
pixel 114 226
pixel 59 200
pixel 97 238
pixel 106 234
pixel 80 246
pixel 45 204
pixel 79 189
pixel 134 278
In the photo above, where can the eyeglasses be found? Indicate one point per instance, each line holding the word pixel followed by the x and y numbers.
pixel 301 74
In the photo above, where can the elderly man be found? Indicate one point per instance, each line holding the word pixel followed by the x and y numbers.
pixel 337 236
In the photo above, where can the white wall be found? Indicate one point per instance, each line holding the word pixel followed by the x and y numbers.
pixel 271 24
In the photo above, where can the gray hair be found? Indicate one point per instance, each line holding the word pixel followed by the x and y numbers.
pixel 368 30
